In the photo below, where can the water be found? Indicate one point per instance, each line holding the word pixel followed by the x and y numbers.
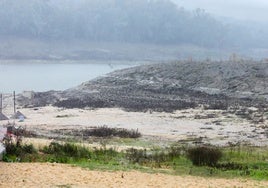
pixel 43 77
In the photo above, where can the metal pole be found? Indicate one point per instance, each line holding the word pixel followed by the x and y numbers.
pixel 14 95
pixel 1 103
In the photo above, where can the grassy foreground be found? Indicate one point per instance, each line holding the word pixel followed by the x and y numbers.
pixel 235 161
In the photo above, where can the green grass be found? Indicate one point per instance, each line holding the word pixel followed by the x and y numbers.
pixel 138 142
pixel 242 162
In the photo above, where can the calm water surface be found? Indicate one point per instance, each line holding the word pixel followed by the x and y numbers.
pixel 44 77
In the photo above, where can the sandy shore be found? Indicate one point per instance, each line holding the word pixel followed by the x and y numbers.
pixel 215 127
pixel 59 175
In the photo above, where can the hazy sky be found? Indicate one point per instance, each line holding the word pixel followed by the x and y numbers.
pixel 256 10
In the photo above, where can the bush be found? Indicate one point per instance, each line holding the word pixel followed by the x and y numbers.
pixel 28 148
pixel 67 150
pixel 105 131
pixel 155 157
pixel 18 150
pixel 137 156
pixel 175 152
pixel 231 166
pixel 204 156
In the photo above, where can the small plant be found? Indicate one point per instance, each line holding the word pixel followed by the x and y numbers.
pixel 155 157
pixel 175 152
pixel 66 150
pixel 63 116
pixel 137 156
pixel 28 148
pixel 231 166
pixel 105 131
pixel 17 152
pixel 204 156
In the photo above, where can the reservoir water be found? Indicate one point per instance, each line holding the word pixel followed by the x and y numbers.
pixel 55 76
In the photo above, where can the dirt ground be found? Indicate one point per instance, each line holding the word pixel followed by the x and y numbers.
pixel 59 175
pixel 214 126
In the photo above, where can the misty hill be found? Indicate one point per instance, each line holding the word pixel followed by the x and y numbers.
pixel 132 21
pixel 168 87
pixel 34 50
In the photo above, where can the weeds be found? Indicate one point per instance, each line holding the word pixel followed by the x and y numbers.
pixel 154 157
pixel 204 156
pixel 67 150
pixel 17 152
pixel 210 161
pixel 105 132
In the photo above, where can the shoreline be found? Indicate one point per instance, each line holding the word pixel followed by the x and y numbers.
pixel 186 126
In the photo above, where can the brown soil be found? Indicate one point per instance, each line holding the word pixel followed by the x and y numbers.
pixel 59 175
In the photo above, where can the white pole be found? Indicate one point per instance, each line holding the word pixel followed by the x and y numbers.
pixel 1 103
pixel 14 100
pixel 14 95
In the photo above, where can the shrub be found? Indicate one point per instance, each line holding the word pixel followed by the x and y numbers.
pixel 12 149
pixel 137 156
pixel 231 166
pixel 105 131
pixel 67 150
pixel 28 148
pixel 18 150
pixel 155 157
pixel 204 156
pixel 175 152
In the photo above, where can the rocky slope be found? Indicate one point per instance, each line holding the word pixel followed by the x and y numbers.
pixel 167 87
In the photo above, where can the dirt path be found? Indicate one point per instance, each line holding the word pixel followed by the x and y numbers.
pixel 59 175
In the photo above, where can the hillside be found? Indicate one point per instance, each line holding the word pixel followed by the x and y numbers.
pixel 81 30
pixel 134 21
pixel 137 21
pixel 168 87
pixel 14 49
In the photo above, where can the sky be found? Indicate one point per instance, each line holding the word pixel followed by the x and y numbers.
pixel 253 10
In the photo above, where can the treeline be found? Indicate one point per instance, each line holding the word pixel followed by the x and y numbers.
pixel 137 21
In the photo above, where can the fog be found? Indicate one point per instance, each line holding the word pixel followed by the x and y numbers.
pixel 253 10
pixel 52 29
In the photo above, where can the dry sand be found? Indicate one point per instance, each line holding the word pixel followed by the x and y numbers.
pixel 181 125
pixel 59 175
